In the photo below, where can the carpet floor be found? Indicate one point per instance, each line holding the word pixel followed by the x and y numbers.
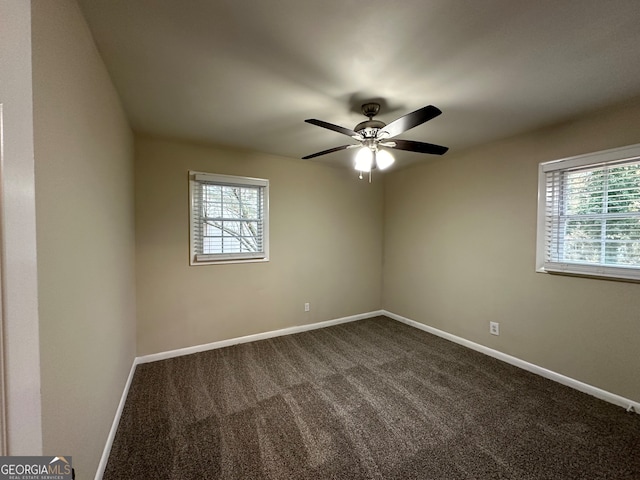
pixel 373 399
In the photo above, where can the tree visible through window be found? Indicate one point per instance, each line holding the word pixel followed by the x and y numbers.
pixel 590 214
pixel 228 218
pixel 231 219
pixel 602 215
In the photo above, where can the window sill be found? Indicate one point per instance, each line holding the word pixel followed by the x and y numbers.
pixel 227 261
pixel 585 273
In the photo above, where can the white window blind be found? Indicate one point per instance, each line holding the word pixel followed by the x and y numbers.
pixel 589 215
pixel 229 218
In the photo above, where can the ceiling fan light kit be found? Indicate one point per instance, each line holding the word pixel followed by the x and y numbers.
pixel 384 159
pixel 364 160
pixel 373 136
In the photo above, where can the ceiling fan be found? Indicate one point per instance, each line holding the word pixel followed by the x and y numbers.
pixel 374 137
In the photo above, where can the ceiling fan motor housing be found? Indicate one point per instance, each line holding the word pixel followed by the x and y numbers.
pixel 369 128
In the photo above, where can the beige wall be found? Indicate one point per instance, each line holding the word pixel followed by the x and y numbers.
pixel 85 236
pixel 325 248
pixel 460 235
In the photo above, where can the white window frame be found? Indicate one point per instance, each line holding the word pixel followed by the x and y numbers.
pixel 543 265
pixel 197 258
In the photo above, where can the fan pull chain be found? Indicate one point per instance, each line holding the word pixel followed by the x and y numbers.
pixel 361 177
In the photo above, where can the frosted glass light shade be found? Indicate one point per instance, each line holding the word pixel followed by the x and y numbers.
pixel 364 159
pixel 384 159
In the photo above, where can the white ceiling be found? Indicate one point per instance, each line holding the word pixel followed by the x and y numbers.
pixel 247 73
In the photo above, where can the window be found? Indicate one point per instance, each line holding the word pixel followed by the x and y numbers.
pixel 229 219
pixel 589 215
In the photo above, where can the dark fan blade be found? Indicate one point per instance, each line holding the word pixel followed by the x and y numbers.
pixel 331 126
pixel 324 152
pixel 411 120
pixel 420 147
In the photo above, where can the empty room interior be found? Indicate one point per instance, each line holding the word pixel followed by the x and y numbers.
pixel 337 239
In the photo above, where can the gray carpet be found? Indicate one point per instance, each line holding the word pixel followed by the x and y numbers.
pixel 373 399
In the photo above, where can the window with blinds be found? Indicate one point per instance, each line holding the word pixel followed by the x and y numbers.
pixel 589 215
pixel 229 218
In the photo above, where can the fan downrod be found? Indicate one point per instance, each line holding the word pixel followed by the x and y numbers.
pixel 369 128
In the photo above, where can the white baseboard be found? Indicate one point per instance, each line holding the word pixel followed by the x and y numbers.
pixel 252 338
pixel 629 405
pixel 114 426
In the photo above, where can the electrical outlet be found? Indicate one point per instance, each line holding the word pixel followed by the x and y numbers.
pixel 307 307
pixel 494 328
